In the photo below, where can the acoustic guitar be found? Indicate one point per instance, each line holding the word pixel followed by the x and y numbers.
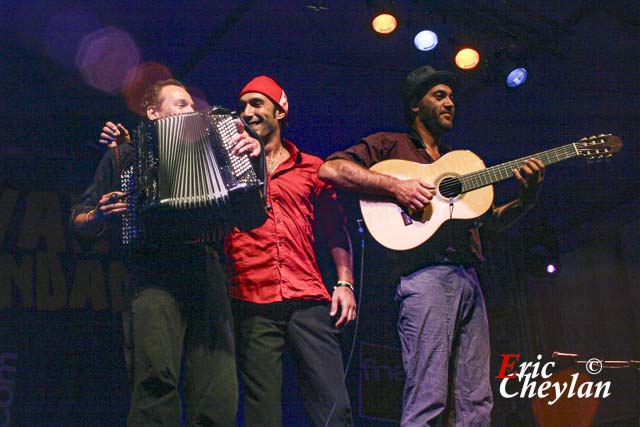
pixel 463 189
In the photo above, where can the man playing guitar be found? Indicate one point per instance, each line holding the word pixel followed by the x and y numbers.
pixel 442 324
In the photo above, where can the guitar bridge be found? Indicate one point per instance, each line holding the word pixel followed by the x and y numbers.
pixel 409 216
pixel 406 218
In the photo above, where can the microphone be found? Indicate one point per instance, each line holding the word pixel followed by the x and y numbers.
pixel 559 355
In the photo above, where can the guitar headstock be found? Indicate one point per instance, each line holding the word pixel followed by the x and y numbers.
pixel 598 147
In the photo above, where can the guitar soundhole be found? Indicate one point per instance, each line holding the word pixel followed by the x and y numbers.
pixel 450 187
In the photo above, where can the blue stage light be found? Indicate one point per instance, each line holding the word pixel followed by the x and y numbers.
pixel 425 40
pixel 516 77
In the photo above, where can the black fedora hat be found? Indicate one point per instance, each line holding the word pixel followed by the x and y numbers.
pixel 420 80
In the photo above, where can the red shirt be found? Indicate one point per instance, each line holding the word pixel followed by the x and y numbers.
pixel 277 261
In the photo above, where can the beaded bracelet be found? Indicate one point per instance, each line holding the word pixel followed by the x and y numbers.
pixel 343 283
pixel 101 227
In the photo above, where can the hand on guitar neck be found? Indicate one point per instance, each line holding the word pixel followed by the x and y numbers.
pixel 530 176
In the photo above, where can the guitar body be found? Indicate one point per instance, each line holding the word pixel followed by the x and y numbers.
pixel 394 228
pixel 467 186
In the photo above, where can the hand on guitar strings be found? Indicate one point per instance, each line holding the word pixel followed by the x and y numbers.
pixel 530 176
pixel 114 134
pixel 414 194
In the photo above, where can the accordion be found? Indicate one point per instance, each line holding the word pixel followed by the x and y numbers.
pixel 185 185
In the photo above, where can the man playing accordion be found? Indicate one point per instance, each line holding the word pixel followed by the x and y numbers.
pixel 177 306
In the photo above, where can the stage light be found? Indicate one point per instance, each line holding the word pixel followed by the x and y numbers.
pixel 467 58
pixel 425 40
pixel 105 58
pixel 384 23
pixel 516 77
pixel 543 251
pixel 543 258
pixel 508 65
pixel 383 15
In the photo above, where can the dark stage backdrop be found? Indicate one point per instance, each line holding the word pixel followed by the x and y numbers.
pixel 60 334
pixel 61 359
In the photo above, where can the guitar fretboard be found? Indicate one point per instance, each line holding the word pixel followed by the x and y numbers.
pixel 493 174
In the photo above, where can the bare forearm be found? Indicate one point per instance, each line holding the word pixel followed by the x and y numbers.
pixel 343 262
pixel 351 176
pixel 342 254
pixel 93 223
pixel 343 299
pixel 508 214
pixel 530 176
pixel 87 225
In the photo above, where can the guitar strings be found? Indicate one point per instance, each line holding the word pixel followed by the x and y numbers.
pixel 481 178
pixel 487 176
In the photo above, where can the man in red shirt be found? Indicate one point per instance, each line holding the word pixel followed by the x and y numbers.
pixel 278 295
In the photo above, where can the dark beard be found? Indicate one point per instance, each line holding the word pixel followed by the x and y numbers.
pixel 435 126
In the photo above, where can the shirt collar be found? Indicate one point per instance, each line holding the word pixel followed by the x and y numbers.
pixel 295 156
pixel 419 144
pixel 292 149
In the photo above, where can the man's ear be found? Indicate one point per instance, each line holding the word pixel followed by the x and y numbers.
pixel 152 114
pixel 280 114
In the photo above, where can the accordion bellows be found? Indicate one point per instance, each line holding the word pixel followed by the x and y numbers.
pixel 185 185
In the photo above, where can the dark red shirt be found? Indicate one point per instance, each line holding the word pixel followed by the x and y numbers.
pixel 277 261
pixel 456 242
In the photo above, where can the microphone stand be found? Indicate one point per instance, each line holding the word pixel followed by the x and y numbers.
pixel 606 364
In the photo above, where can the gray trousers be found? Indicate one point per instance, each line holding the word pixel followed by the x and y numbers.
pixel 179 316
pixel 444 336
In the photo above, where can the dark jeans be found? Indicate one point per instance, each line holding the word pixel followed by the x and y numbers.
pixel 306 328
pixel 179 313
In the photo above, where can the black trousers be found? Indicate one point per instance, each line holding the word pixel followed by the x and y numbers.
pixel 179 315
pixel 306 329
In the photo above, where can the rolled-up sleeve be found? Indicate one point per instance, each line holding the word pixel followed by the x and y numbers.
pixel 368 151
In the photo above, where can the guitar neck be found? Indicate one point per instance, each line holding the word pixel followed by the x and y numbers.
pixel 493 174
